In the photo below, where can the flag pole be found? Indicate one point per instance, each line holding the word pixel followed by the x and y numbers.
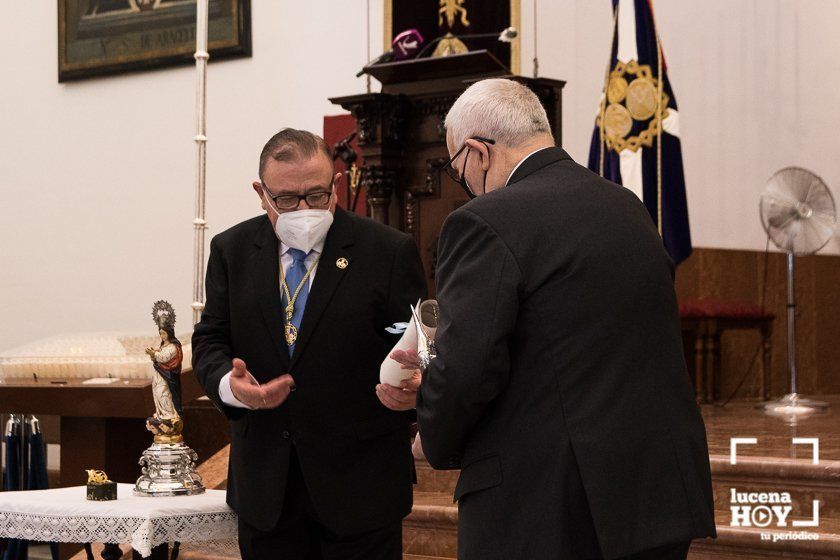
pixel 659 111
pixel 199 223
pixel 602 124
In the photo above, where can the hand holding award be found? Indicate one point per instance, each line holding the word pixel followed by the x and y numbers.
pixel 419 337
pixel 400 373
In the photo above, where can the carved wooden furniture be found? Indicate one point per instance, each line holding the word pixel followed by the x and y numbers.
pixel 402 139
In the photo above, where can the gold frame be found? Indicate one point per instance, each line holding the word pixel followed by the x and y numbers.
pixel 236 43
pixel 515 21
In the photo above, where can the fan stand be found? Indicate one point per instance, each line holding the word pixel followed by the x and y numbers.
pixel 793 405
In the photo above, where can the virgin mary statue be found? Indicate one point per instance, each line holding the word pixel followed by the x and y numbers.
pixel 166 423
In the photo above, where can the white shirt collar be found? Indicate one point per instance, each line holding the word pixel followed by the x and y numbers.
pixel 521 161
pixel 317 249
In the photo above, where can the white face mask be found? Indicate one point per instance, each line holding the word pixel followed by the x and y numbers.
pixel 302 229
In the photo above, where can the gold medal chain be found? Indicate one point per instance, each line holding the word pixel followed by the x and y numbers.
pixel 291 299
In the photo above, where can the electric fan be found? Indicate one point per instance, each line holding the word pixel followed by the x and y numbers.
pixel 799 216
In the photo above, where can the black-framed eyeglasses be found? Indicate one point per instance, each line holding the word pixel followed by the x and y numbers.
pixel 285 201
pixel 457 176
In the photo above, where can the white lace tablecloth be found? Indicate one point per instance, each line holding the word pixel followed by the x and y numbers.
pixel 64 515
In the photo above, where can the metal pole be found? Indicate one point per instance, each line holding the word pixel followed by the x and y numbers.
pixel 199 223
pixel 367 77
pixel 536 55
pixel 793 405
pixel 22 452
pixel 25 451
pixel 791 323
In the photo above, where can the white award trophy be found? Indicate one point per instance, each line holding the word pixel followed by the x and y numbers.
pixel 419 335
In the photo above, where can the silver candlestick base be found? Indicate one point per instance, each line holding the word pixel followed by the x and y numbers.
pixel 168 470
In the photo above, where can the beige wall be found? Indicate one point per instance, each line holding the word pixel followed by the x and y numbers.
pixel 97 177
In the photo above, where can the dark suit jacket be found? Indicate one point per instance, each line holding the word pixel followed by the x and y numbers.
pixel 354 453
pixel 560 387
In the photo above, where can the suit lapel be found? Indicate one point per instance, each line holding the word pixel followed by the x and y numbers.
pixel 328 276
pixel 266 276
pixel 537 161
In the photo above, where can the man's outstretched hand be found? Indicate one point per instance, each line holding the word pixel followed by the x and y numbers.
pixel 248 391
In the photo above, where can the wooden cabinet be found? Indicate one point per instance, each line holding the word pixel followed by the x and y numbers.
pixel 402 139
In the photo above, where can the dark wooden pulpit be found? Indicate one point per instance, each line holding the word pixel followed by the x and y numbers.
pixel 402 139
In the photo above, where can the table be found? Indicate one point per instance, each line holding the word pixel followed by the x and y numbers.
pixel 704 321
pixel 64 515
pixel 102 424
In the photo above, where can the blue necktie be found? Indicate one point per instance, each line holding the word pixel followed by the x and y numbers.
pixel 294 276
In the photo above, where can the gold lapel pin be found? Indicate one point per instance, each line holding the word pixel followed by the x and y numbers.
pixel 342 263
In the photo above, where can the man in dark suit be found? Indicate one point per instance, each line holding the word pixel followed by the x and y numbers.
pixel 559 387
pixel 289 348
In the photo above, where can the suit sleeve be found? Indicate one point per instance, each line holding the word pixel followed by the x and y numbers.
pixel 211 341
pixel 478 282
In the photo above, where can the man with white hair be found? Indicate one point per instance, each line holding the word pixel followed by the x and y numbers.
pixel 559 388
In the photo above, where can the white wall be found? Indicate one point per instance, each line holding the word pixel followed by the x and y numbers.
pixel 97 176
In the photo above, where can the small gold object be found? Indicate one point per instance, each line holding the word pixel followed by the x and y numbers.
pixel 618 121
pixel 99 488
pixel 449 45
pixel 641 99
pixel 97 477
pixel 617 89
pixel 354 175
pixel 291 333
pixel 289 329
pixel 451 9
pixel 342 263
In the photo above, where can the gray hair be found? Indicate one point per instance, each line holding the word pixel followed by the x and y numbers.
pixel 504 110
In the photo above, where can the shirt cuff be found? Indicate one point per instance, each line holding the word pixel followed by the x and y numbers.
pixel 226 393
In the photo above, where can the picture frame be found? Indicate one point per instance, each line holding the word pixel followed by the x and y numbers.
pixel 107 37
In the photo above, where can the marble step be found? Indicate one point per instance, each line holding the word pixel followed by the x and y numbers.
pixel 746 544
pixel 750 472
pixel 430 480
pixel 431 527
pixel 429 533
pixel 430 530
pixel 802 479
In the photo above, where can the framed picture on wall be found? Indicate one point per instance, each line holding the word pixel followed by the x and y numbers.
pixel 99 37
